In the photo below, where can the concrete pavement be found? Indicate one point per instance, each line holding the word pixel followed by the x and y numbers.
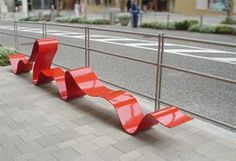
pixel 36 125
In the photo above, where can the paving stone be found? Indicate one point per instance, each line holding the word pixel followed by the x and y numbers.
pixel 149 156
pixel 6 130
pixel 129 156
pixel 126 146
pixel 37 122
pixel 66 154
pixel 30 135
pixel 103 141
pixel 67 134
pixel 67 143
pixel 25 156
pixel 67 125
pixel 43 127
pixel 86 129
pixel 193 156
pixel 49 140
pixel 45 157
pixel 48 130
pixel 29 146
pixel 212 150
pixel 88 156
pixel 19 125
pixel 85 137
pixel 108 153
pixel 85 147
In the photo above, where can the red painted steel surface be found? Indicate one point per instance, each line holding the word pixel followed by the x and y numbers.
pixel 21 64
pixel 127 108
pixel 83 81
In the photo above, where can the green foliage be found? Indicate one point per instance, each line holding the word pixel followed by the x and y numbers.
pixel 158 25
pixel 4 53
pixel 203 28
pixel 101 21
pixel 82 20
pixel 124 16
pixel 223 29
pixel 30 18
pixel 229 21
pixel 184 25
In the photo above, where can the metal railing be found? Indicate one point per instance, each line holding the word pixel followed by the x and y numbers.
pixel 159 64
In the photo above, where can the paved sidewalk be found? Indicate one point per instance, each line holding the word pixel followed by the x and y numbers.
pixel 36 125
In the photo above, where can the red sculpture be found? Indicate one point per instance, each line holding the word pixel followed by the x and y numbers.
pixel 21 64
pixel 83 81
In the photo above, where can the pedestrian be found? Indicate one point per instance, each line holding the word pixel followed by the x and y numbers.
pixel 52 5
pixel 77 8
pixel 145 5
pixel 82 7
pixel 135 13
pixel 128 5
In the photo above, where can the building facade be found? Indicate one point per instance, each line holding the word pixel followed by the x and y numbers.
pixel 201 7
pixel 190 7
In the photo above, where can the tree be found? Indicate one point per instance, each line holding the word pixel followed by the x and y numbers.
pixel 122 5
pixel 230 8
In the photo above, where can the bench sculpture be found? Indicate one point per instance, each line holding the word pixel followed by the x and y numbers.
pixel 83 81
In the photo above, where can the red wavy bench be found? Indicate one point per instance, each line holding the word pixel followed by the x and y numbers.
pixel 83 81
pixel 21 64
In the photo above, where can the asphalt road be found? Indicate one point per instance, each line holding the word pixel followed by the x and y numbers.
pixel 213 98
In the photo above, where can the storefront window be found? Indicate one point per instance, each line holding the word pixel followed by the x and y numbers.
pixel 218 5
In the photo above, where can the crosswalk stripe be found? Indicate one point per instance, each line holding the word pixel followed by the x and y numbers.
pixel 188 51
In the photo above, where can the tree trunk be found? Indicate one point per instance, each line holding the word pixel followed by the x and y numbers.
pixel 58 7
pixel 230 7
pixel 122 5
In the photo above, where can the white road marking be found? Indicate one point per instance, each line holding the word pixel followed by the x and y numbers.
pixel 141 44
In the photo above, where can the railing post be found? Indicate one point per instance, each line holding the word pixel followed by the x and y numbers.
pixel 168 20
pixel 16 35
pixel 85 45
pixel 201 20
pixel 157 73
pixel 160 69
pixel 88 45
pixel 0 9
pixel 45 29
pixel 42 30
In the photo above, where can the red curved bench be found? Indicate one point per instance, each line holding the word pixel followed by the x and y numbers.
pixel 127 108
pixel 21 64
pixel 83 81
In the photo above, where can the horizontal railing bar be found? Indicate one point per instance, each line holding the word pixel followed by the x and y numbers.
pixel 64 25
pixel 28 37
pixel 201 116
pixel 199 41
pixel 119 56
pixel 31 22
pixel 11 34
pixel 75 46
pixel 124 32
pixel 113 84
pixel 128 90
pixel 199 74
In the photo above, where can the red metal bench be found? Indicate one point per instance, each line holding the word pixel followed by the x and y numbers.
pixel 83 81
pixel 21 64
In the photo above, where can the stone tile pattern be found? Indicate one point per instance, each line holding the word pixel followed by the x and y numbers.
pixel 36 125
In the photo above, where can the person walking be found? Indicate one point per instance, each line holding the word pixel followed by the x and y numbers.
pixel 77 8
pixel 128 5
pixel 52 5
pixel 82 7
pixel 135 13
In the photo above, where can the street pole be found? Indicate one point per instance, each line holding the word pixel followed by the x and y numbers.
pixel 0 9
pixel 25 7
